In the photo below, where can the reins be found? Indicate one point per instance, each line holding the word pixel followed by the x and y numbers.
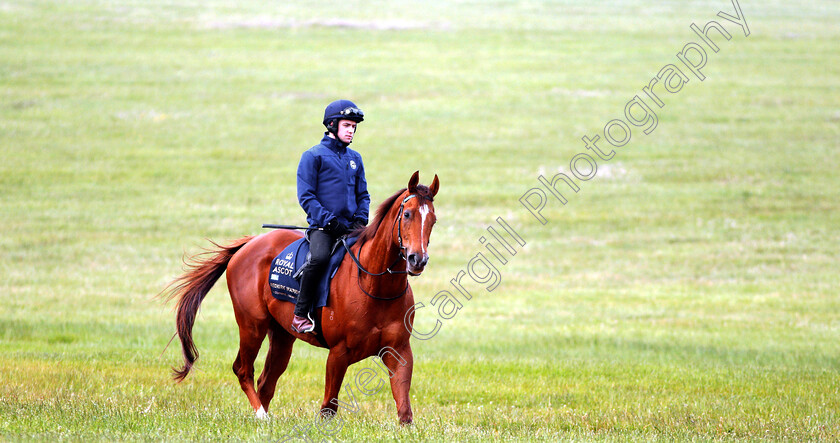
pixel 360 268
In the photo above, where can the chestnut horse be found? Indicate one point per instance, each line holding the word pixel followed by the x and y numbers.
pixel 365 312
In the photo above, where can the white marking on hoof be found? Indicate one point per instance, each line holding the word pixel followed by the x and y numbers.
pixel 261 414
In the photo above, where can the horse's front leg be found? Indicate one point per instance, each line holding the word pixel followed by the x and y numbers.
pixel 401 365
pixel 337 363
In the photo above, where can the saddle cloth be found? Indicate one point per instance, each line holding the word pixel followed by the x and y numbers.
pixel 285 284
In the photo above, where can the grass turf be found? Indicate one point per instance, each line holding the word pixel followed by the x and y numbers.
pixel 687 292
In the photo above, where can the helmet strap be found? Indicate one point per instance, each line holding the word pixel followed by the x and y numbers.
pixel 332 127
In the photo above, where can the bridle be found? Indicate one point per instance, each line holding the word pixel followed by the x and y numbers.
pixel 388 270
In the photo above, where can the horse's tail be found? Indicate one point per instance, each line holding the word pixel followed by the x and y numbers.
pixel 202 271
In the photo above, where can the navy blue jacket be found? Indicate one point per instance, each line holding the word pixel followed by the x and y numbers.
pixel 331 184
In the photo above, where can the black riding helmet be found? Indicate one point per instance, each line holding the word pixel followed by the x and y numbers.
pixel 341 110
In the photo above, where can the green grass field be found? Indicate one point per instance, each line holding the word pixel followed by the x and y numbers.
pixel 687 292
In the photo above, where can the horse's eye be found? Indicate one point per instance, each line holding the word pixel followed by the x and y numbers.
pixel 407 214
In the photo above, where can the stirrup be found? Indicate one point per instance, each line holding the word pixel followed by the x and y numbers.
pixel 302 327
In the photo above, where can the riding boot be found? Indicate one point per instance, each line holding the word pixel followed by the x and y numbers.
pixel 308 287
pixel 303 321
pixel 319 249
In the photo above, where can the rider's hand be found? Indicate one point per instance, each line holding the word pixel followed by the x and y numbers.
pixel 335 228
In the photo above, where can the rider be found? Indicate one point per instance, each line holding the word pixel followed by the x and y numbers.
pixel 332 189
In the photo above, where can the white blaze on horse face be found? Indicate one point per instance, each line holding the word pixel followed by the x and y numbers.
pixel 424 211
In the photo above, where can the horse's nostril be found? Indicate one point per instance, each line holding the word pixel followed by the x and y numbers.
pixel 418 260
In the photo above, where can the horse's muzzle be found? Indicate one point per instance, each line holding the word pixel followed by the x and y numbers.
pixel 417 262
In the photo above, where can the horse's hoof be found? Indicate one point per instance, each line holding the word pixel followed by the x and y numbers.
pixel 261 414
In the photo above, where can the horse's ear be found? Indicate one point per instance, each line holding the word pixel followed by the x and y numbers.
pixel 435 186
pixel 412 183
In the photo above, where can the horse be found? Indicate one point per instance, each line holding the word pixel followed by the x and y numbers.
pixel 366 312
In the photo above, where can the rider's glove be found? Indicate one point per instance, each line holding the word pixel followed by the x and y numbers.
pixel 335 228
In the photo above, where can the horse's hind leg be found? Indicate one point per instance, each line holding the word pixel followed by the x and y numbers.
pixel 280 344
pixel 337 362
pixel 251 337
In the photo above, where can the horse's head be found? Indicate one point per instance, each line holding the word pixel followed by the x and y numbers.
pixel 415 222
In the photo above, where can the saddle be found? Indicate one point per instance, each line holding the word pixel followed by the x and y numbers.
pixel 291 263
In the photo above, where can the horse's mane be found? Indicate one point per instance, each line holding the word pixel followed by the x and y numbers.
pixel 369 232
